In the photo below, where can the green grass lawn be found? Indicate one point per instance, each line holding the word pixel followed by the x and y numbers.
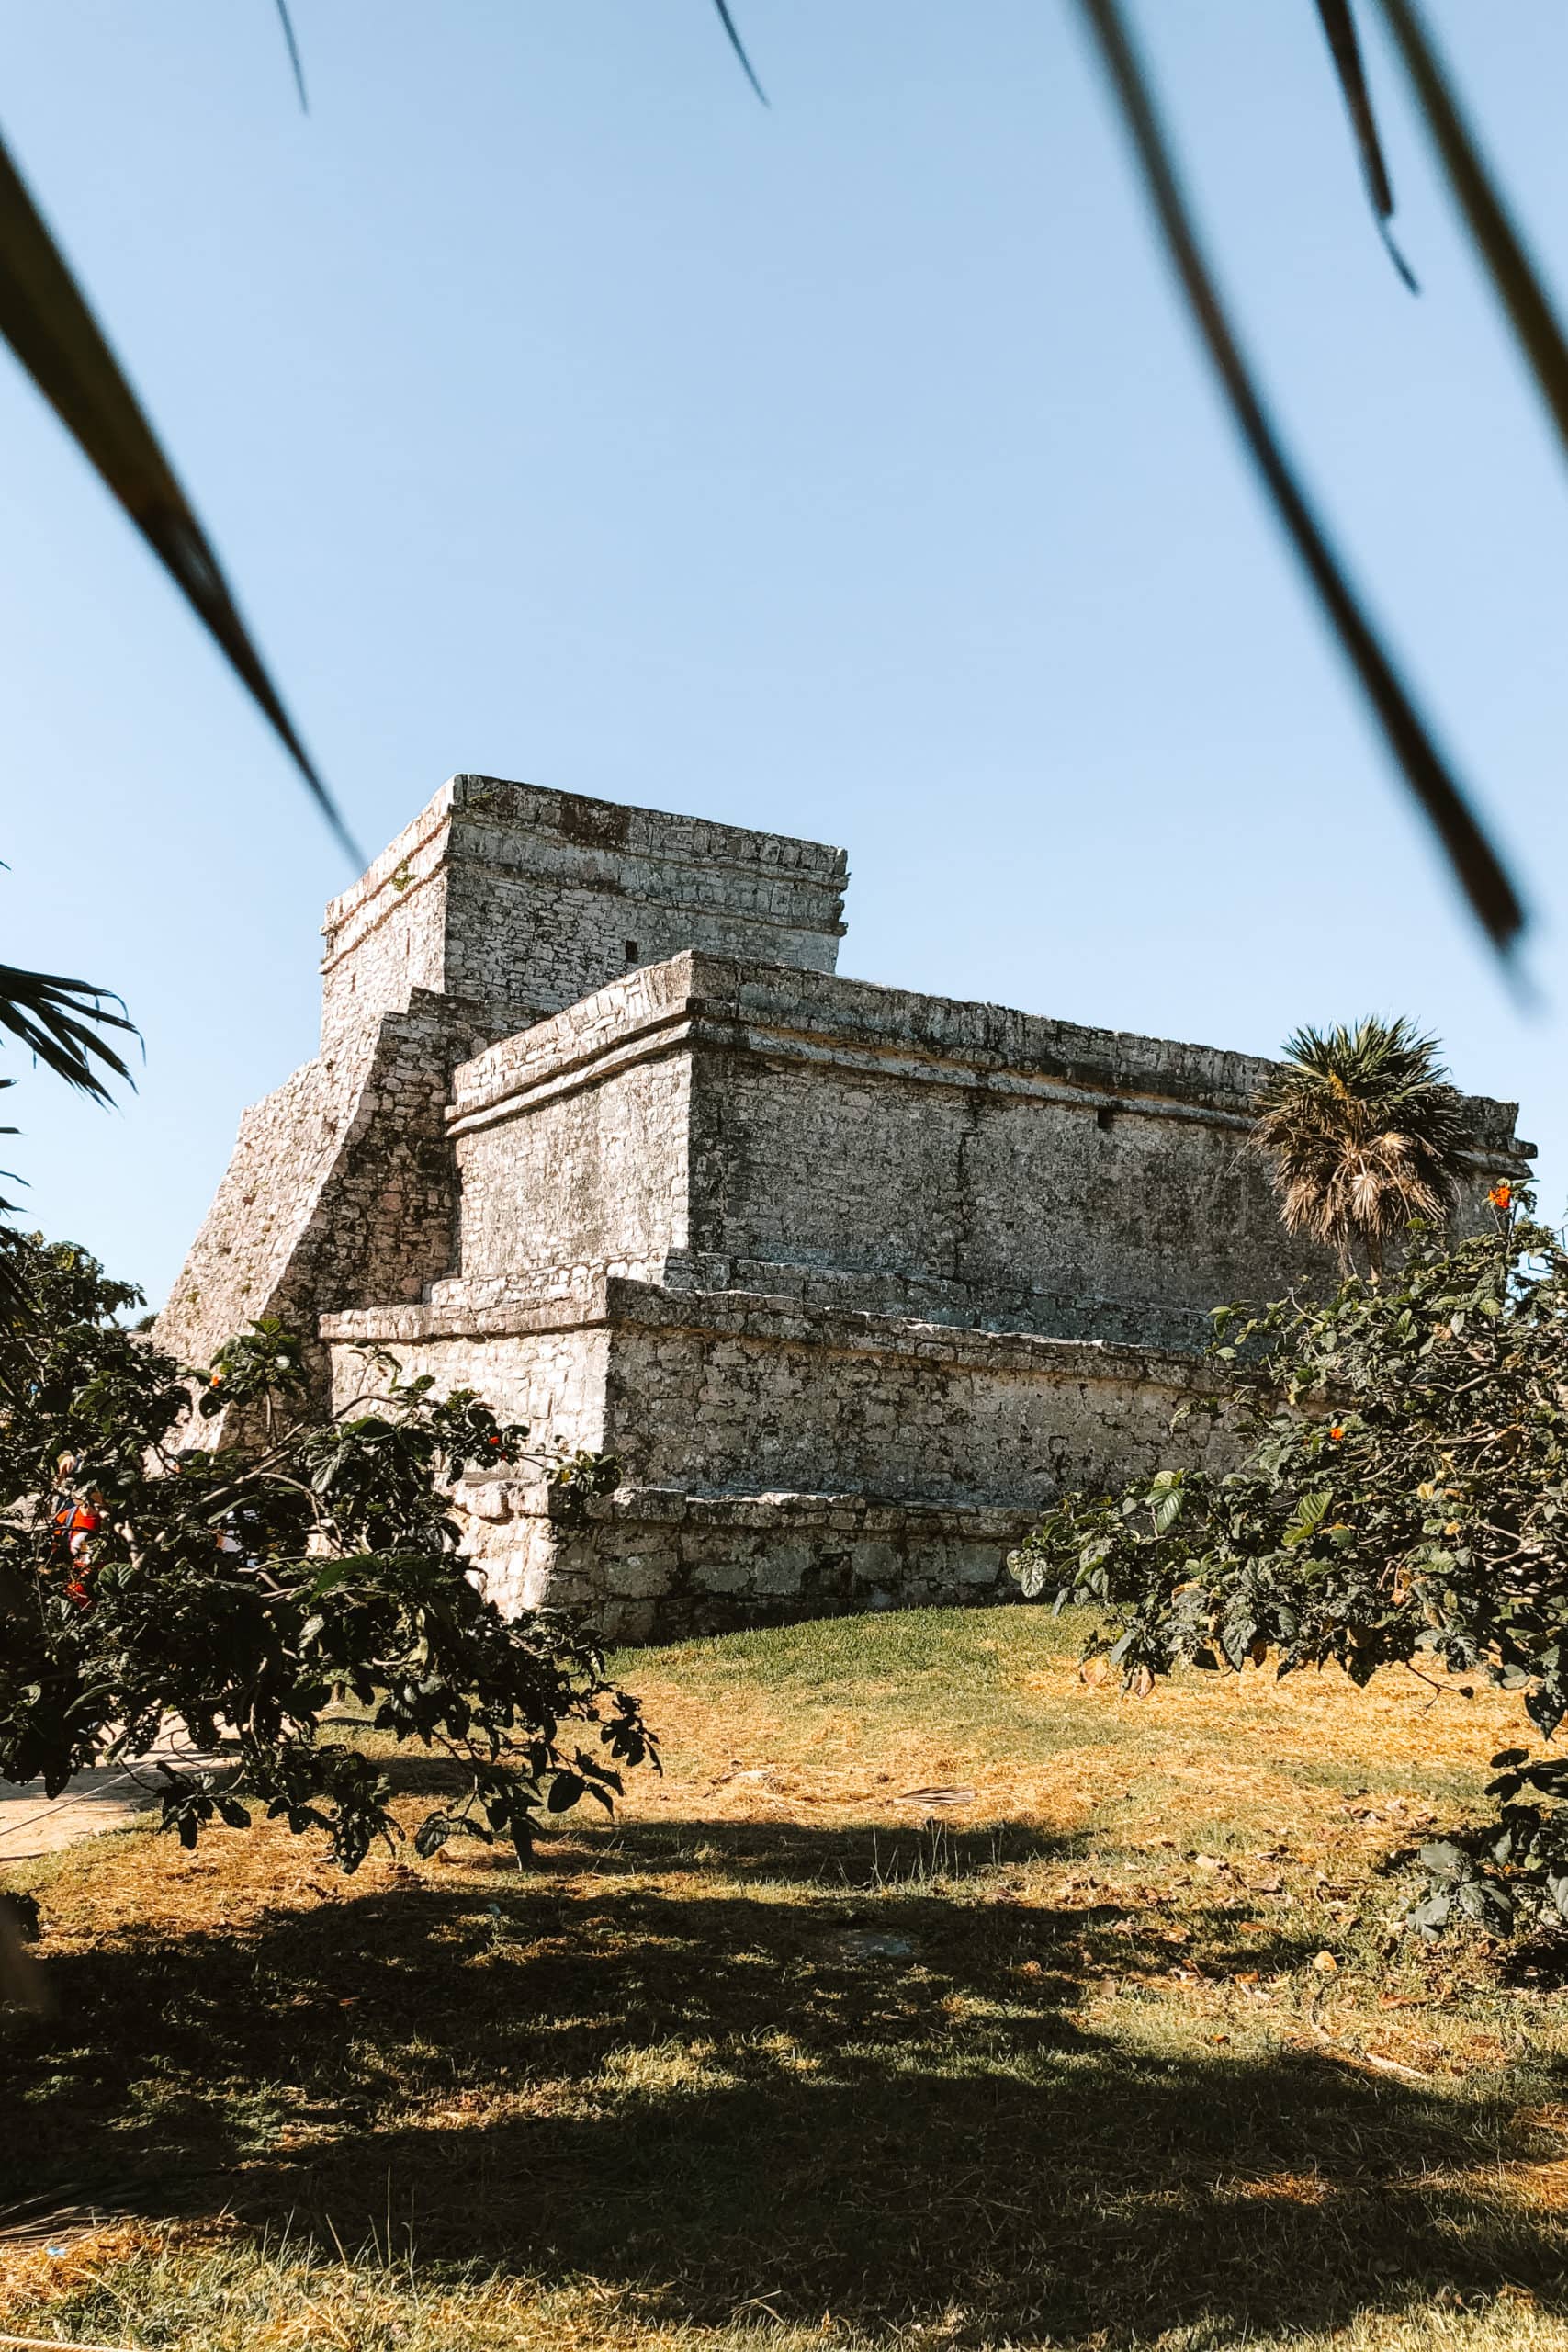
pixel 1116 2049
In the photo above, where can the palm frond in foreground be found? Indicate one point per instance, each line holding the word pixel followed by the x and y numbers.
pixel 45 318
pixel 1475 863
pixel 61 1023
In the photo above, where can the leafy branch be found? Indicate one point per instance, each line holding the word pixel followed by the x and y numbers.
pixel 1400 1498
pixel 249 1590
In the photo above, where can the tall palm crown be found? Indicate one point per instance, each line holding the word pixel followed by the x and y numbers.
pixel 1364 1133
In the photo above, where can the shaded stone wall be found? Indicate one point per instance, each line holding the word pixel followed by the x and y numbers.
pixel 341 1186
pixel 654 1565
pixel 723 1125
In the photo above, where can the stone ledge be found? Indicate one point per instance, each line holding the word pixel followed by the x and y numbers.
pixel 620 1303
pixel 839 1514
pixel 850 1513
pixel 660 1564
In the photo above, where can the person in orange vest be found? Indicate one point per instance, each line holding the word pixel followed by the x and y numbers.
pixel 74 1525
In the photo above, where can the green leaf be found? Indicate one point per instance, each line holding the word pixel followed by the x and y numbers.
pixel 61 1021
pixel 1310 1513
pixel 1432 1912
pixel 1168 1510
pixel 1446 1861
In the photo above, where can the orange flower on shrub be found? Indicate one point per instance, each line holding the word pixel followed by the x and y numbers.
pixel 1502 1196
pixel 1335 1431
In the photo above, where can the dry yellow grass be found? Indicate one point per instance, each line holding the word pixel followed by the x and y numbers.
pixel 1037 1745
pixel 1114 2048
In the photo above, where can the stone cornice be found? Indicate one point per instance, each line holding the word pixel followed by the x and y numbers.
pixel 694 1001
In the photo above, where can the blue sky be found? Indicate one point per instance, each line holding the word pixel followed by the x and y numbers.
pixel 845 468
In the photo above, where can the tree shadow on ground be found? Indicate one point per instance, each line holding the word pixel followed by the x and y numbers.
pixel 714 2057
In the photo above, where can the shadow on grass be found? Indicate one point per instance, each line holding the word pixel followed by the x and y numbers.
pixel 661 2064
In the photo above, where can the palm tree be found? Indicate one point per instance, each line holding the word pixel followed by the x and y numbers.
pixel 62 1023
pixel 1364 1133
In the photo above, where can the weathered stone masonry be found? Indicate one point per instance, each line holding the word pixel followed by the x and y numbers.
pixel 851 1280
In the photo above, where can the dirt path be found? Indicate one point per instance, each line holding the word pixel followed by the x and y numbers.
pixel 32 1824
pixel 105 1797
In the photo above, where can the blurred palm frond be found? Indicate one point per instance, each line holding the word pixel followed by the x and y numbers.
pixel 1339 27
pixel 45 318
pixel 1473 860
pixel 727 21
pixel 286 22
pixel 61 1023
pixel 1515 279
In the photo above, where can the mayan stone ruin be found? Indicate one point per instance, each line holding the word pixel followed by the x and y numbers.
pixel 849 1280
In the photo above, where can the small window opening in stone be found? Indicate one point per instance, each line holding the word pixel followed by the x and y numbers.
pixel 1103 1117
pixel 631 951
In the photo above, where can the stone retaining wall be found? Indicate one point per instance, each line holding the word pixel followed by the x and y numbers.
pixel 767 1437
pixel 650 1565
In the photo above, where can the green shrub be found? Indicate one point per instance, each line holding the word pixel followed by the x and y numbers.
pixel 1401 1502
pixel 242 1591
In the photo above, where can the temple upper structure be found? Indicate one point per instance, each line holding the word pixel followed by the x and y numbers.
pixel 849 1280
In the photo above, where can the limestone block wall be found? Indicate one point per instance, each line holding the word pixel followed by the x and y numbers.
pixel 804 1459
pixel 387 936
pixel 1009 1170
pixel 596 1178
pixel 991 1199
pixel 795 1132
pixel 649 1565
pixel 527 901
pixel 728 1394
pixel 283 1158
pixel 342 1186
pixel 711 1394
pixel 551 1376
pixel 499 903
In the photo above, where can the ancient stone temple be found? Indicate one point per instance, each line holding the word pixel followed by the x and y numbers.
pixel 849 1280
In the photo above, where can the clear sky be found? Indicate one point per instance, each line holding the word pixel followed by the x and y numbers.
pixel 845 468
